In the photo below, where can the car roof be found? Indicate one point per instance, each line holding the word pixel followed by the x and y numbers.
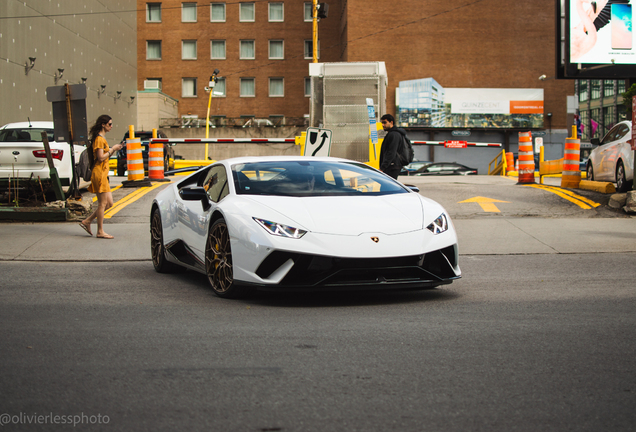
pixel 34 124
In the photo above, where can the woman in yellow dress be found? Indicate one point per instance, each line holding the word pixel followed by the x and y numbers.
pixel 99 177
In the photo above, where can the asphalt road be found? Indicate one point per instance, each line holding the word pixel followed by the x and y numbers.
pixel 517 344
pixel 539 334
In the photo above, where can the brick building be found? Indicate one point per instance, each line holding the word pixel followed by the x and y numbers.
pixel 262 49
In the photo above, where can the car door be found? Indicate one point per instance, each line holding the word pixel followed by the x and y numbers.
pixel 614 148
pixel 217 188
pixel 604 166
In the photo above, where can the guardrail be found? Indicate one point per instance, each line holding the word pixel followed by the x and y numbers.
pixel 500 164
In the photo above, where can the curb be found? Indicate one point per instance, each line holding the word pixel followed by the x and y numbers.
pixel 34 214
pixel 602 187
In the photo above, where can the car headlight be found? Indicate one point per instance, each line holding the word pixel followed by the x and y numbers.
pixel 277 229
pixel 439 225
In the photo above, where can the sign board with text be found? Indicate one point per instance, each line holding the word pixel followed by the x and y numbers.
pixel 455 144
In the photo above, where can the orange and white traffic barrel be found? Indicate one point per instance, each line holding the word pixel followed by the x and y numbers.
pixel 526 158
pixel 134 159
pixel 571 175
pixel 155 161
pixel 510 161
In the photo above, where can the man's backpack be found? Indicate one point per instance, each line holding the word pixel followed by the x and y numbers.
pixel 84 166
pixel 405 151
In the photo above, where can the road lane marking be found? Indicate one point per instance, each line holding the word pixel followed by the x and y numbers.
pixel 131 198
pixel 487 204
pixel 579 200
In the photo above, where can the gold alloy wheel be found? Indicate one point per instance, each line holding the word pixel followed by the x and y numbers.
pixel 218 259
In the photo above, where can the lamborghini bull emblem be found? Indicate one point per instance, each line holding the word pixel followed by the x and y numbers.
pixel 375 239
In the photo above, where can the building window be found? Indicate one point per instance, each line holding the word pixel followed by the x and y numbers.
pixel 219 88
pixel 189 87
pixel 217 12
pixel 596 89
pixel 309 49
pixel 217 49
pixel 620 84
pixel 608 88
pixel 188 12
pixel 247 87
pixel 153 50
pixel 153 12
pixel 583 95
pixel 276 12
pixel 585 122
pixel 189 50
pixel 247 50
pixel 276 49
pixel 609 118
pixel 309 8
pixel 276 87
pixel 246 12
pixel 307 87
pixel 595 119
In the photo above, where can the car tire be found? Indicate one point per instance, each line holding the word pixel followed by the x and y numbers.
pixel 218 261
pixel 621 182
pixel 158 249
pixel 590 171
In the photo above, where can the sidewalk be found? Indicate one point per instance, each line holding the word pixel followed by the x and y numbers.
pixel 489 236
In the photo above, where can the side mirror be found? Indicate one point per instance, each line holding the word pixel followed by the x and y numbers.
pixel 413 188
pixel 595 141
pixel 196 193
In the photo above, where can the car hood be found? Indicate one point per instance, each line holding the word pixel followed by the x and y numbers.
pixel 347 215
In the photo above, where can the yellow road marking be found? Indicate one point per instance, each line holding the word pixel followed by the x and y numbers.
pixel 487 204
pixel 579 200
pixel 131 198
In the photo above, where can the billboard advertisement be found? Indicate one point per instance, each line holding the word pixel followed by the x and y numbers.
pixel 598 39
pixel 601 32
pixel 425 103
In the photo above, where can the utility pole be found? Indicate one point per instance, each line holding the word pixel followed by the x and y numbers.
pixel 314 14
pixel 210 89
pixel 319 10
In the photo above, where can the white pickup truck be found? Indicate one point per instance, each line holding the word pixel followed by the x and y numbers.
pixel 22 154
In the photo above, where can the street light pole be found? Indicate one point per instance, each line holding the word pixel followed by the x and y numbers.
pixel 210 88
pixel 315 32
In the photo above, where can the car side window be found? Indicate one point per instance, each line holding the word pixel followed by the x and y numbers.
pixel 216 183
pixel 612 134
pixel 621 131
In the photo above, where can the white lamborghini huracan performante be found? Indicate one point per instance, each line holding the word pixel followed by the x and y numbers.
pixel 301 223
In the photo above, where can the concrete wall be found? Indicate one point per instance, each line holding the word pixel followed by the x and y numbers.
pixel 99 44
pixel 153 106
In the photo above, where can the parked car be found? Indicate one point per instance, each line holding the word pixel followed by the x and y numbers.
pixel 445 168
pixel 22 153
pixel 168 152
pixel 613 159
pixel 301 224
pixel 412 167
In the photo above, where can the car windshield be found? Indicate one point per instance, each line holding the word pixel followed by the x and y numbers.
pixel 311 178
pixel 25 135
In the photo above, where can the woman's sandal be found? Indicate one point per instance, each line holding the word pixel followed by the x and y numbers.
pixel 86 228
pixel 105 236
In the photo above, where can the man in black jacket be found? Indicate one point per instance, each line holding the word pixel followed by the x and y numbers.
pixel 389 159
